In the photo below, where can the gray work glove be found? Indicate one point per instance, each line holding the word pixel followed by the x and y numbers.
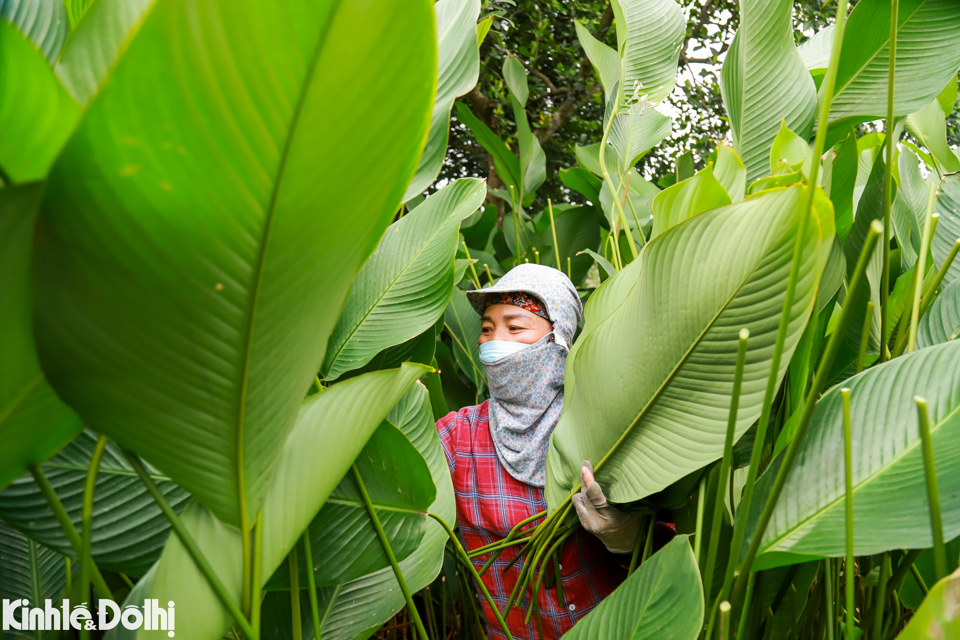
pixel 616 529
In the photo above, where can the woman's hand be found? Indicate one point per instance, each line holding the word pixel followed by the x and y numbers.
pixel 616 529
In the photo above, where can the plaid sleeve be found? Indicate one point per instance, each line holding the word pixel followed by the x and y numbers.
pixel 447 427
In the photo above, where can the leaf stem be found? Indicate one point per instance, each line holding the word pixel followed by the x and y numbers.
pixel 389 552
pixel 67 526
pixel 726 463
pixel 823 371
pixel 888 173
pixel 473 267
pixel 469 566
pixel 828 578
pixel 256 578
pixel 191 546
pixel 921 267
pixel 614 192
pixel 865 337
pixel 928 296
pixel 848 502
pixel 553 230
pixel 296 621
pixel 933 492
pixel 311 583
pixel 87 522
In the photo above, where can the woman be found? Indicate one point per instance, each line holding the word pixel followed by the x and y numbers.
pixel 497 453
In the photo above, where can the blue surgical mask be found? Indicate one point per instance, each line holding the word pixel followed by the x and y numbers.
pixel 496 349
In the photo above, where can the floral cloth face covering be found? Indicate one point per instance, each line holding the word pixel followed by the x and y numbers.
pixel 526 386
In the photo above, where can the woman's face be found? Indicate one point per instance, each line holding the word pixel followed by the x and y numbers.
pixel 512 324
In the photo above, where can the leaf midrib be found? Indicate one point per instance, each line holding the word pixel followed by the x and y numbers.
pixel 261 259
pixel 387 290
pixel 886 43
pixel 20 399
pixel 686 355
pixel 358 504
pixel 819 513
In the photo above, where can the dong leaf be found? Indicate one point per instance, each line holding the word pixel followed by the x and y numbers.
pixel 533 167
pixel 37 115
pixel 662 599
pixel 889 504
pixel 941 322
pixel 816 51
pixel 649 35
pixel 348 609
pixel 576 228
pixel 203 226
pixel 30 571
pixel 637 130
pixel 653 395
pixel 458 67
pixel 930 127
pixel 463 325
pixel 939 615
pixel 730 173
pixel 405 285
pixel 686 199
pixel 947 231
pixel 34 423
pixel 344 542
pixel 928 55
pixel 43 22
pixel 129 530
pixel 764 83
pixel 603 58
pixel 505 162
pixel 332 429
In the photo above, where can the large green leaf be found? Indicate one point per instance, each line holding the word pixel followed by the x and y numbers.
pixel 506 164
pixel 730 172
pixel 603 58
pixel 31 571
pixel 661 600
pixel 34 423
pixel 661 389
pixel 939 615
pixel 649 35
pixel 203 226
pixel 458 66
pixel 37 115
pixel 947 231
pixel 463 325
pixel 351 608
pixel 816 51
pixel 96 44
pixel 928 54
pixel 941 322
pixel 637 130
pixel 331 430
pixel 889 504
pixel 43 22
pixel 930 127
pixel 533 162
pixel 129 530
pixel 764 83
pixel 343 540
pixel 686 199
pixel 405 285
pixel 577 228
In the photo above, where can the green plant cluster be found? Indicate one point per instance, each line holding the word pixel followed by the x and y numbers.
pixel 231 318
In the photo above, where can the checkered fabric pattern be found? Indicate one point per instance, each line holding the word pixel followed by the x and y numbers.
pixel 490 502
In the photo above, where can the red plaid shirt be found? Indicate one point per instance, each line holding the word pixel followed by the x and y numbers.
pixel 490 502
